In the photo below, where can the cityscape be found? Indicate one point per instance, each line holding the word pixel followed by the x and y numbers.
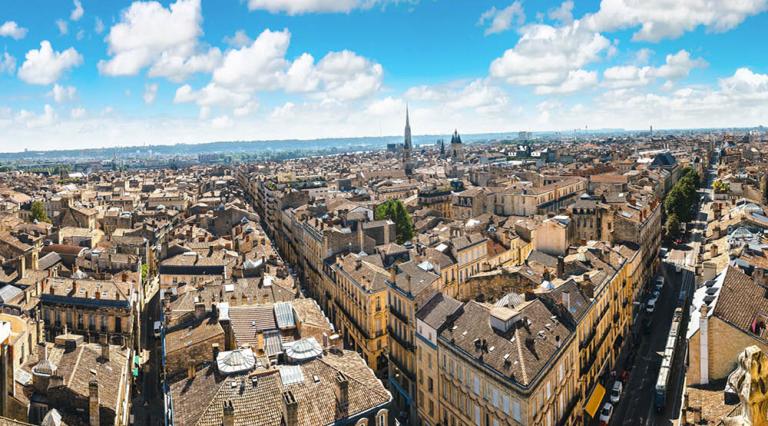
pixel 296 213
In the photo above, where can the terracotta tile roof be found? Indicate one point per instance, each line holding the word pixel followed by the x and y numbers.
pixel 742 302
pixel 192 333
pixel 200 401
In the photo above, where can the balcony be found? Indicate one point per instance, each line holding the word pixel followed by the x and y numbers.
pixel 401 368
pixel 398 315
pixel 400 340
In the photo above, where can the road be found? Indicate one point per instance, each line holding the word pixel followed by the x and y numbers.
pixel 637 404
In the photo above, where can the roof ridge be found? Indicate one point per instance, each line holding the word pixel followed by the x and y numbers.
pixel 210 403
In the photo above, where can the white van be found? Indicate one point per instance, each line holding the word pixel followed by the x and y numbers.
pixel 158 325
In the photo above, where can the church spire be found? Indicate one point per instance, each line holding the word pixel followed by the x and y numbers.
pixel 407 142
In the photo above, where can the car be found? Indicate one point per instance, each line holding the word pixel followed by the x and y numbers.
pixel 157 327
pixel 616 391
pixel 606 412
pixel 659 283
pixel 650 305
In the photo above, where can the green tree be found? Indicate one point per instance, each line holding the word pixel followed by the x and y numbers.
pixel 673 225
pixel 721 187
pixel 395 211
pixel 38 212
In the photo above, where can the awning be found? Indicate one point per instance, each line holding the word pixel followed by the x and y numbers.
pixel 594 401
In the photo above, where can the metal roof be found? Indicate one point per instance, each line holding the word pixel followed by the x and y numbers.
pixel 284 315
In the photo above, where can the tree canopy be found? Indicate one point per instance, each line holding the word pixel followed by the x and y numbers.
pixel 38 212
pixel 395 211
pixel 682 197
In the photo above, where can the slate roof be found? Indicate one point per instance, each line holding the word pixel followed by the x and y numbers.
pixel 529 348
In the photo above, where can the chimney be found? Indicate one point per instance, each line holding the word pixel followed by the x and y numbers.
pixel 704 345
pixel 290 409
pixel 105 351
pixel 42 351
pixel 215 350
pixel 199 310
pixel 21 267
pixel 229 414
pixel 191 369
pixel 560 266
pixel 342 394
pixel 93 400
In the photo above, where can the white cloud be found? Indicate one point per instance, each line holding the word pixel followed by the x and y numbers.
pixel 148 33
pixel 564 13
pixel 239 39
pixel 178 67
pixel 258 66
pixel 222 122
pixel 98 25
pixel 660 19
pixel 249 108
pixel 211 95
pixel 500 20
pixel 45 66
pixel 32 120
pixel 575 81
pixel 679 65
pixel 676 66
pixel 480 95
pixel 77 113
pixel 62 26
pixel 386 106
pixel 13 30
pixel 546 55
pixel 150 93
pixel 297 7
pixel 643 55
pixel 77 12
pixel 746 84
pixel 7 63
pixel 347 76
pixel 62 93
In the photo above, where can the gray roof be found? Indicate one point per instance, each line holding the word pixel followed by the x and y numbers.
pixel 8 293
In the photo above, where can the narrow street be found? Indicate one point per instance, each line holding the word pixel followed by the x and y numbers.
pixel 636 406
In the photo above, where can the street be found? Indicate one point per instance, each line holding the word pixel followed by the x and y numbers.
pixel 636 406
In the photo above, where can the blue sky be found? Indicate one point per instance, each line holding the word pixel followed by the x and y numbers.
pixel 91 73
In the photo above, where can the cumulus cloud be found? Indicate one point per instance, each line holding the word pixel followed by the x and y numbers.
pixel 77 12
pixel 63 93
pixel 13 30
pixel 150 93
pixel 546 55
pixel 262 65
pixel 563 13
pixel 239 39
pixel 7 63
pixel 479 94
pixel 661 19
pixel 500 20
pixel 46 66
pixel 33 120
pixel 575 80
pixel 676 66
pixel 149 33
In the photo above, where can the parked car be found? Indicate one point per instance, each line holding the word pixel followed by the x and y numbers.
pixel 157 326
pixel 605 413
pixel 659 283
pixel 616 391
pixel 650 305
